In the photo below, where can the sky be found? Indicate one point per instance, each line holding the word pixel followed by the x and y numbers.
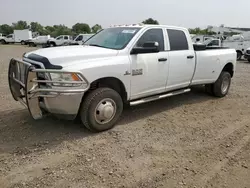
pixel 185 13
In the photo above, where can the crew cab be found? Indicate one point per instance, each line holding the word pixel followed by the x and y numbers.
pixel 61 40
pixel 119 65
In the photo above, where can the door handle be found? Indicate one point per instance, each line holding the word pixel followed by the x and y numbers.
pixel 190 57
pixel 162 59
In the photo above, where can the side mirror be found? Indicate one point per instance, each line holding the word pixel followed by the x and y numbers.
pixel 147 47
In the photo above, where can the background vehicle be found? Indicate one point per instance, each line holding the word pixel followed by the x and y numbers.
pixel 117 66
pixel 80 39
pixel 61 40
pixel 247 54
pixel 39 40
pixel 201 38
pixel 2 39
pixel 19 36
pixel 239 45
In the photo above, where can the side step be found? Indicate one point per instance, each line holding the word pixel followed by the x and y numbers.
pixel 157 97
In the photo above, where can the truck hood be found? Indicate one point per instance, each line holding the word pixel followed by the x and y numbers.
pixel 67 55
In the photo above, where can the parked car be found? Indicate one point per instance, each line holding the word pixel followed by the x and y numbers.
pixel 80 39
pixel 39 40
pixel 61 40
pixel 117 66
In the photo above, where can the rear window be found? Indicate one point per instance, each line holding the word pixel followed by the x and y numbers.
pixel 177 40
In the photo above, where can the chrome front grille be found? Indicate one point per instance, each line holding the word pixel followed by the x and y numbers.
pixel 21 72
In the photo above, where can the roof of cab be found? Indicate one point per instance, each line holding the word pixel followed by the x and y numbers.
pixel 141 25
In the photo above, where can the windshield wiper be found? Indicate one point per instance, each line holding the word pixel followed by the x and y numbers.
pixel 96 45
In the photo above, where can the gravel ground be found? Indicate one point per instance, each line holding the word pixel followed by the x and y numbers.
pixel 191 140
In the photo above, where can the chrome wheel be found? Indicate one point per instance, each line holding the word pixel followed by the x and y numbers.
pixel 105 111
pixel 225 84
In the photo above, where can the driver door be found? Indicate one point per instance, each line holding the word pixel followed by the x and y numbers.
pixel 149 71
pixel 10 38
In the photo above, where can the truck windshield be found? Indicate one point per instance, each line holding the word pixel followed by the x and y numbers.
pixel 113 38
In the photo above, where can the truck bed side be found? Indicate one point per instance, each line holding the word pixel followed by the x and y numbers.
pixel 210 63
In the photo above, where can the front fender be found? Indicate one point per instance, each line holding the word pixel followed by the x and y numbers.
pixel 116 67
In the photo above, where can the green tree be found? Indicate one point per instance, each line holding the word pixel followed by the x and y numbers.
pixel 6 29
pixel 60 30
pixel 96 28
pixel 20 25
pixel 199 31
pixel 49 29
pixel 36 27
pixel 81 28
pixel 151 21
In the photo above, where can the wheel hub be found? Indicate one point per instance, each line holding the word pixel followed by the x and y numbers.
pixel 225 85
pixel 105 111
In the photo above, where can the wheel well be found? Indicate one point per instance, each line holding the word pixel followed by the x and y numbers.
pixel 111 82
pixel 229 68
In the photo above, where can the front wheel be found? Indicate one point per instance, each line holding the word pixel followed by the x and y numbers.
pixel 52 44
pixel 2 42
pixel 222 85
pixel 101 109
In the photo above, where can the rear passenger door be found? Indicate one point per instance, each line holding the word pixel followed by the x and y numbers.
pixel 181 58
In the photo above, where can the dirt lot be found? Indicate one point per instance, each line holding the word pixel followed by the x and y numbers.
pixel 192 140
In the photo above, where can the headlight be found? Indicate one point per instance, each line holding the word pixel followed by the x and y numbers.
pixel 65 77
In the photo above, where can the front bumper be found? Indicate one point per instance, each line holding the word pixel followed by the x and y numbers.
pixel 39 96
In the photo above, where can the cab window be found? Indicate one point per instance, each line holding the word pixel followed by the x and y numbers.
pixel 152 35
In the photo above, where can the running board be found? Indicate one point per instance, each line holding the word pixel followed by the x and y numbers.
pixel 157 97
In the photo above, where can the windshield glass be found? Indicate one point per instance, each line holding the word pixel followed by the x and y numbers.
pixel 113 38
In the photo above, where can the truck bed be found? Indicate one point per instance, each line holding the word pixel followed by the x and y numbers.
pixel 210 62
pixel 201 47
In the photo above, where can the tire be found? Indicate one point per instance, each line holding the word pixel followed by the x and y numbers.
pixel 2 42
pixel 52 44
pixel 239 55
pixel 94 102
pixel 248 60
pixel 22 42
pixel 222 85
pixel 209 89
pixel 32 44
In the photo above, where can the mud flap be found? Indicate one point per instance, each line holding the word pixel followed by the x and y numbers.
pixel 31 100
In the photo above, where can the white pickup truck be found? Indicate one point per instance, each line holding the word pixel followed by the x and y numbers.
pixel 119 65
pixel 61 40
